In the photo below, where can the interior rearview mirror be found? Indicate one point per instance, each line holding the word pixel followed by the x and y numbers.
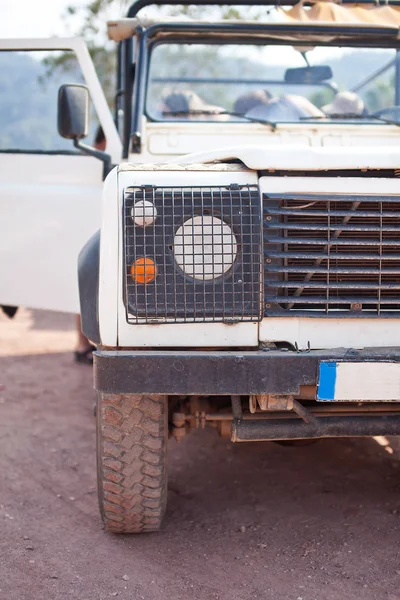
pixel 73 111
pixel 308 75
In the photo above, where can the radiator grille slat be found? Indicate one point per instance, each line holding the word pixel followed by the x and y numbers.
pixel 331 255
pixel 311 256
pixel 206 243
pixel 330 242
pixel 322 299
pixel 350 271
pixel 289 227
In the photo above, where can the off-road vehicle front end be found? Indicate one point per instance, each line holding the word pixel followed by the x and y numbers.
pixel 248 266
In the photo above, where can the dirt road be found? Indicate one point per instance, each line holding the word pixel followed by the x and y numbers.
pixel 244 522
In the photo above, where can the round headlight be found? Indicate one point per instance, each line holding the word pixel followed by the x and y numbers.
pixel 144 213
pixel 205 247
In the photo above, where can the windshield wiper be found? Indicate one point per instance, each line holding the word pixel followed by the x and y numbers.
pixel 216 113
pixel 339 116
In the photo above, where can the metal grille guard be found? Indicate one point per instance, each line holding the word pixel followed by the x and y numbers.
pixel 206 245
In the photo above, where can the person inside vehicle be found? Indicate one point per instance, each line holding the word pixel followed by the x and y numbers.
pixel 84 349
pixel 185 103
pixel 260 104
pixel 345 103
pixel 248 101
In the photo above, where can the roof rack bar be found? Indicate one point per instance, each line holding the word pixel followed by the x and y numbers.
pixel 139 4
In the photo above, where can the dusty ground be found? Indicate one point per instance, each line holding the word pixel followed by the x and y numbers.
pixel 244 522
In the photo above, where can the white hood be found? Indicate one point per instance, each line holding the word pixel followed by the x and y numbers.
pixel 302 158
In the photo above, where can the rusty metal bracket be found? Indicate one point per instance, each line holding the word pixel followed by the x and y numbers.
pixel 179 429
pixel 236 407
pixel 277 403
pixel 272 402
pixel 303 412
pixel 200 419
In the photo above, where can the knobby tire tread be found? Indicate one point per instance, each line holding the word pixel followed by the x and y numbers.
pixel 132 434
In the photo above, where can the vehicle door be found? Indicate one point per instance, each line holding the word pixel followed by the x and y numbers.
pixel 50 193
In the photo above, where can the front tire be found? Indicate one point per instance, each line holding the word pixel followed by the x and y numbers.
pixel 132 433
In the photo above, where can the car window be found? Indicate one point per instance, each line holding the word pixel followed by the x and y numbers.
pixel 282 83
pixel 29 86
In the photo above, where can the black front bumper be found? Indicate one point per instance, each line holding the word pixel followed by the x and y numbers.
pixel 220 373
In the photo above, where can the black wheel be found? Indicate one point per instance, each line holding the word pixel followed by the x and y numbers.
pixel 132 433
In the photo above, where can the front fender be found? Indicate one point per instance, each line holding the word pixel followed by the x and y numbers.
pixel 88 279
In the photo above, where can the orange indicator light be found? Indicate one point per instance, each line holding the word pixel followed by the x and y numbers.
pixel 144 270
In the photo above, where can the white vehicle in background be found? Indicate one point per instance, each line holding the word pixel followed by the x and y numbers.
pixel 243 271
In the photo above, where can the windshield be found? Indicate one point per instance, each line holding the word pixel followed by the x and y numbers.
pixel 275 83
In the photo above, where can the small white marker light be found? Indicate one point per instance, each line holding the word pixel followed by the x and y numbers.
pixel 144 213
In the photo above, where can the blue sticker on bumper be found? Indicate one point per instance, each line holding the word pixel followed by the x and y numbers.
pixel 327 381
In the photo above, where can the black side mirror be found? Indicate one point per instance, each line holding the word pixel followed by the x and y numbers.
pixel 73 111
pixel 308 75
